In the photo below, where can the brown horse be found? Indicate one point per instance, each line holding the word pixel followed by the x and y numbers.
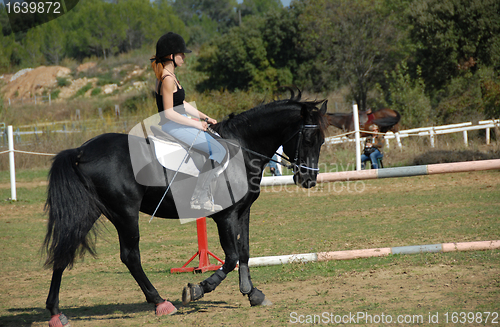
pixel 386 119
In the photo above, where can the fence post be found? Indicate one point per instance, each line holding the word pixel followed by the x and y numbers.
pixel 398 138
pixel 12 164
pixel 466 139
pixel 431 132
pixel 117 111
pixel 356 134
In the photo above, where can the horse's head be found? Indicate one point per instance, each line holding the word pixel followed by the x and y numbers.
pixel 304 147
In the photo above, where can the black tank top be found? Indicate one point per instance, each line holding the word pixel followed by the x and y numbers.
pixel 179 97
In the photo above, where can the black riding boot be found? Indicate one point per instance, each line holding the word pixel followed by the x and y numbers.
pixel 202 196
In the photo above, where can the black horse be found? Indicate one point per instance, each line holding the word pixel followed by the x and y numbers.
pixel 97 179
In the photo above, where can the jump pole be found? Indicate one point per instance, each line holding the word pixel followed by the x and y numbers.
pixel 377 252
pixel 203 252
pixel 407 171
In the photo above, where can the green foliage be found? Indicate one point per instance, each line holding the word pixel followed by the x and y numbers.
pixel 356 41
pixel 259 7
pixel 407 96
pixel 219 11
pixel 238 60
pixel 452 35
pixel 62 81
pixel 83 90
pixel 55 94
pixel 96 91
pixel 460 100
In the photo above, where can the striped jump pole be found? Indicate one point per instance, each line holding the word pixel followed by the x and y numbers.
pixel 377 252
pixel 407 171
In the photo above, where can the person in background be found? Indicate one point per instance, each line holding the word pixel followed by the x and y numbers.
pixel 373 147
pixel 273 165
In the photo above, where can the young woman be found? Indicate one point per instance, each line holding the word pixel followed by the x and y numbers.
pixel 174 111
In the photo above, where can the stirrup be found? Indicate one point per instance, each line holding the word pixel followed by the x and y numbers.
pixel 207 205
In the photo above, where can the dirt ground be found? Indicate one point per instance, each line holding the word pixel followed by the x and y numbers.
pixel 411 292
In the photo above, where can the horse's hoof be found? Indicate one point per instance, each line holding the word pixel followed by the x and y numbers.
pixel 165 308
pixel 266 302
pixel 191 293
pixel 256 298
pixel 59 320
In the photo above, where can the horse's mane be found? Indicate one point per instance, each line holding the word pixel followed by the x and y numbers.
pixel 237 122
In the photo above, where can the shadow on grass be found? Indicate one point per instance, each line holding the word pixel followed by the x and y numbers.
pixel 28 316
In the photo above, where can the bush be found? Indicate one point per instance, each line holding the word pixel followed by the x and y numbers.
pixel 96 91
pixel 55 94
pixel 62 81
pixel 407 96
pixel 83 90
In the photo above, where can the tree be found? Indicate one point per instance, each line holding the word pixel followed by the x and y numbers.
pixel 96 28
pixel 32 46
pixel 259 7
pixel 6 48
pixel 407 96
pixel 54 42
pixel 454 36
pixel 354 40
pixel 220 14
pixel 238 60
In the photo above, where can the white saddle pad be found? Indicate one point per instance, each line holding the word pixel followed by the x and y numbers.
pixel 174 156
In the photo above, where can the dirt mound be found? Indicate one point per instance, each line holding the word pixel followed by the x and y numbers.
pixel 34 81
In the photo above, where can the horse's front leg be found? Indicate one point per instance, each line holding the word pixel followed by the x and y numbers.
pixel 228 231
pixel 234 239
pixel 255 296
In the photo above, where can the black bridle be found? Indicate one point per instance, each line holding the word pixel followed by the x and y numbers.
pixel 293 164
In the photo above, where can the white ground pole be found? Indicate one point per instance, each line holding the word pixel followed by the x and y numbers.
pixel 10 136
pixel 356 135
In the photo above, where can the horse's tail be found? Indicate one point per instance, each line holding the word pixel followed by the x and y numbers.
pixel 73 207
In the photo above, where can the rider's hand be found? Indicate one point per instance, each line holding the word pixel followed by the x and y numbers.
pixel 211 121
pixel 204 125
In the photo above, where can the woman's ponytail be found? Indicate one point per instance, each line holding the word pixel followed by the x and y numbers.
pixel 157 67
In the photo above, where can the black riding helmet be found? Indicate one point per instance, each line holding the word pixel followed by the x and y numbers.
pixel 170 43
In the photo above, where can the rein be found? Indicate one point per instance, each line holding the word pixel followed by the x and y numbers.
pixel 293 164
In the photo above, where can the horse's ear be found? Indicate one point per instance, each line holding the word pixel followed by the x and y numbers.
pixel 323 108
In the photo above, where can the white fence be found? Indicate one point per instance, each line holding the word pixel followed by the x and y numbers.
pixel 36 99
pixel 431 132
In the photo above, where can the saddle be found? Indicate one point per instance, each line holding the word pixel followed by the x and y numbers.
pixel 173 154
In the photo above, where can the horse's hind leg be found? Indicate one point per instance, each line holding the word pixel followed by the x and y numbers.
pixel 58 318
pixel 131 257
